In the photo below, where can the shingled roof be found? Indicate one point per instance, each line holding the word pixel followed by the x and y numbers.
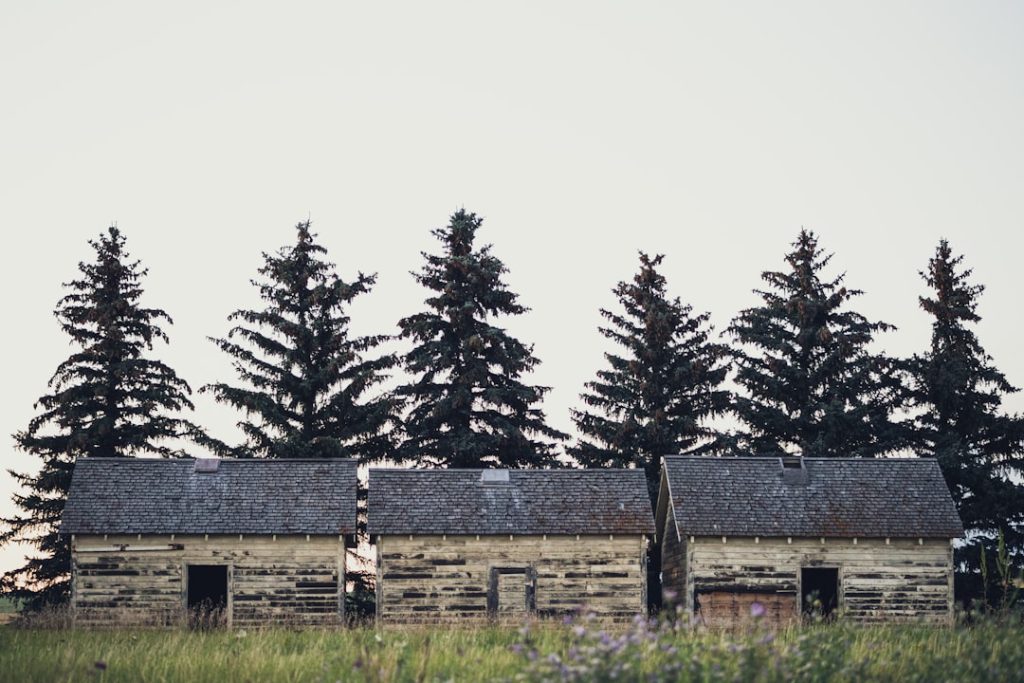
pixel 185 496
pixel 460 501
pixel 846 497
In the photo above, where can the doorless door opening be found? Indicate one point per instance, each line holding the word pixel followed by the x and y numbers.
pixel 207 598
pixel 512 591
pixel 819 591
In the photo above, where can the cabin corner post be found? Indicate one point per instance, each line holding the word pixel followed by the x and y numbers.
pixel 688 602
pixel 951 595
pixel 72 606
pixel 645 547
pixel 342 587
pixel 379 611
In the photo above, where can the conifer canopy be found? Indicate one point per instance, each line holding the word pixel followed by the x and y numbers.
pixel 306 382
pixel 811 384
pixel 467 403
pixel 657 393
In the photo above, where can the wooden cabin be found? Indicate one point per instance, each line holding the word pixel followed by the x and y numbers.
pixel 236 542
pixel 458 545
pixel 865 539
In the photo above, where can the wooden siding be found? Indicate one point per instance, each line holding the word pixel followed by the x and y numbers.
pixel 902 580
pixel 290 580
pixel 437 578
pixel 673 564
pixel 725 609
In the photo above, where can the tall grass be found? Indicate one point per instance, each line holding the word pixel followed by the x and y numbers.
pixel 989 652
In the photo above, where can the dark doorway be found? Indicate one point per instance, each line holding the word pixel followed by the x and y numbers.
pixel 819 591
pixel 207 595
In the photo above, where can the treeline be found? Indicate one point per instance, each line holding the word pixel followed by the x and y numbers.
pixel 797 372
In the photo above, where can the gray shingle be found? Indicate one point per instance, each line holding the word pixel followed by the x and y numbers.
pixel 532 502
pixel 866 497
pixel 149 496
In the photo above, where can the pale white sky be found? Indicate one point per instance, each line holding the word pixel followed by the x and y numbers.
pixel 582 131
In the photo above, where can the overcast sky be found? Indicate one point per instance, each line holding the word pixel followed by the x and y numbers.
pixel 581 131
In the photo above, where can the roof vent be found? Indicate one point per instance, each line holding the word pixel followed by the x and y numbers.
pixel 493 477
pixel 207 464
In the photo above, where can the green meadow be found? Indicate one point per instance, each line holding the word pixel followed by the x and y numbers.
pixel 573 652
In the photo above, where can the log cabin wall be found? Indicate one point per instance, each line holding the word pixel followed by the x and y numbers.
pixel 438 578
pixel 902 580
pixel 287 580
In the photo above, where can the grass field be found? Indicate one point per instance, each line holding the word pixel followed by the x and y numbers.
pixel 551 652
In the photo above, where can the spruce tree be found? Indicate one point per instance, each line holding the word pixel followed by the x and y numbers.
pixel 307 385
pixel 811 384
pixel 655 397
pixel 467 405
pixel 305 380
pixel 960 422
pixel 106 400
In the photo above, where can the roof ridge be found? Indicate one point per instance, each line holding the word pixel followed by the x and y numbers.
pixel 460 470
pixel 769 458
pixel 132 458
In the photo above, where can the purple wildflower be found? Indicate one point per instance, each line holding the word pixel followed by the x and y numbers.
pixel 757 610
